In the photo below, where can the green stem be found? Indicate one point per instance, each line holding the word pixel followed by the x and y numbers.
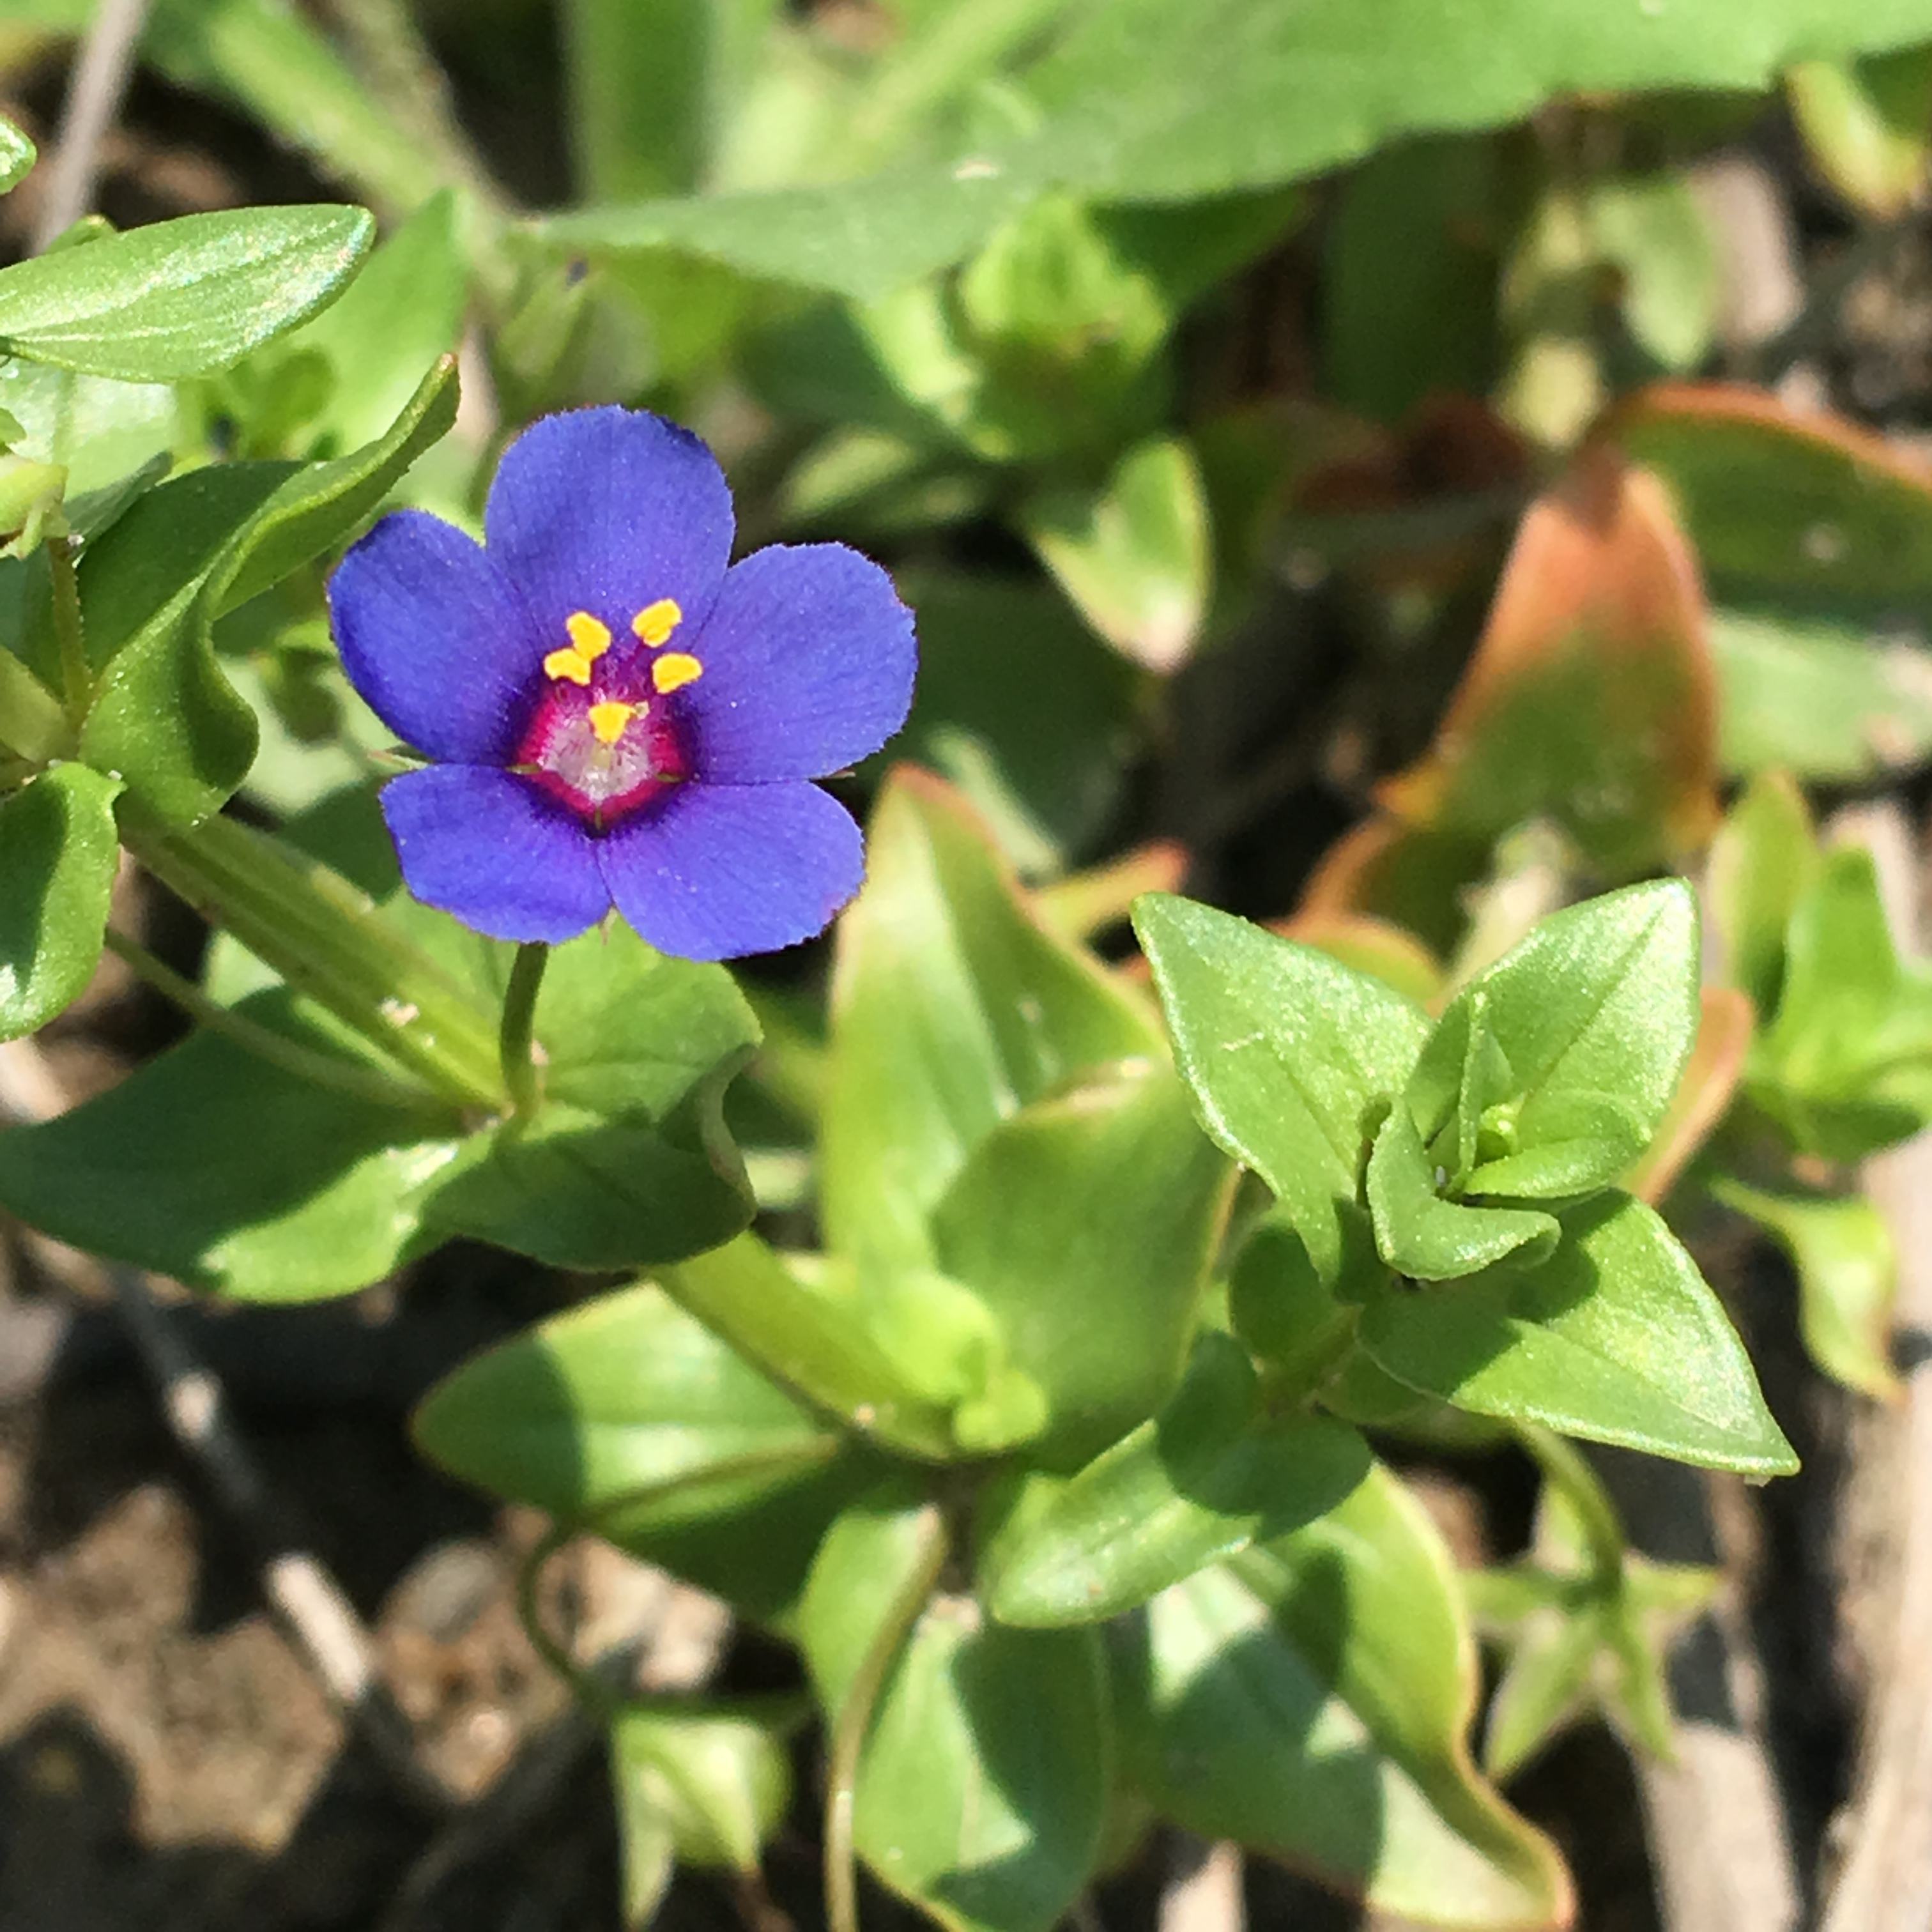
pixel 76 675
pixel 600 1699
pixel 33 723
pixel 1565 1467
pixel 854 1719
pixel 328 940
pixel 321 1069
pixel 516 1050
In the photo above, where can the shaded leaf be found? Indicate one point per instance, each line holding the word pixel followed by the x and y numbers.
pixel 1135 558
pixel 1212 1474
pixel 953 1005
pixel 1310 1700
pixel 1867 126
pixel 58 849
pixel 1616 1337
pixel 1726 1022
pixel 1762 863
pixel 1423 1236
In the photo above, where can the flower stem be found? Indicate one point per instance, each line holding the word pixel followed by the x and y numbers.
pixel 1566 1468
pixel 76 676
pixel 327 940
pixel 321 1069
pixel 516 1048
pixel 854 1720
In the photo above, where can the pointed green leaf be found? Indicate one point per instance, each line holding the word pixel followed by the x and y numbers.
pixel 180 298
pixel 1420 1234
pixel 1616 1337
pixel 58 849
pixel 1287 1052
pixel 1310 1699
pixel 165 718
pixel 1210 1475
pixel 1595 1013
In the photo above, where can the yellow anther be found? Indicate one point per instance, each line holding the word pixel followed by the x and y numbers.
pixel 608 720
pixel 592 639
pixel 674 670
pixel 655 622
pixel 588 641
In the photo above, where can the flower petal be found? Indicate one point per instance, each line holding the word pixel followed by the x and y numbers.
pixel 720 870
pixel 609 510
pixel 488 848
pixel 434 639
pixel 808 659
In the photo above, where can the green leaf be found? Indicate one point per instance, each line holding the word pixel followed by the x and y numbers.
pixel 717 1781
pixel 1824 701
pixel 1085 1225
pixel 1783 506
pixel 1595 1015
pixel 401 314
pixel 1287 1052
pixel 17 156
pixel 627 1162
pixel 1867 126
pixel 1652 230
pixel 1310 1699
pixel 953 1005
pixel 164 716
pixel 1423 1236
pixel 626 1414
pixel 1762 863
pixel 1845 1066
pixel 814 1343
pixel 1616 1337
pixel 103 431
pixel 1847 1277
pixel 1020 708
pixel 1135 558
pixel 1212 1474
pixel 211 1165
pixel 181 298
pixel 1410 273
pixel 1577 1640
pixel 1144 102
pixel 982 1786
pixel 620 1395
pixel 58 849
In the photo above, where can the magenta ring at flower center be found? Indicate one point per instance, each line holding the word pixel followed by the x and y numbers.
pixel 562 754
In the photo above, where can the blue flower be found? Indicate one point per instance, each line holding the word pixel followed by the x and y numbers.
pixel 618 715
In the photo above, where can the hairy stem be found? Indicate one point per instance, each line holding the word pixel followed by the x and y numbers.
pixel 320 1069
pixel 76 676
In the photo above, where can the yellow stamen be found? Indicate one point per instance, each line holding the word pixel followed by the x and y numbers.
pixel 655 622
pixel 592 639
pixel 588 641
pixel 608 719
pixel 674 670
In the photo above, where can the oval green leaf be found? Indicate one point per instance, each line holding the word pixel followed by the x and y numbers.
pixel 58 849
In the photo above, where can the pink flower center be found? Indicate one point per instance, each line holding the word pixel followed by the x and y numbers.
pixel 602 739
